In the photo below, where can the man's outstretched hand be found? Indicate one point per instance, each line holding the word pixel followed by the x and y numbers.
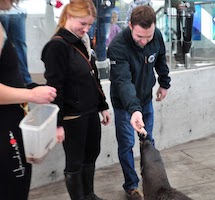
pixel 137 122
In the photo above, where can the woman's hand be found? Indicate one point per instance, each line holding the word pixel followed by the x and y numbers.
pixel 60 134
pixel 43 94
pixel 106 117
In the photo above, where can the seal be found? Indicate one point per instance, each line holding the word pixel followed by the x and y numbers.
pixel 156 185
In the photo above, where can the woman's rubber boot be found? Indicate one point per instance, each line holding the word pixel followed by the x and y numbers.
pixel 74 185
pixel 88 171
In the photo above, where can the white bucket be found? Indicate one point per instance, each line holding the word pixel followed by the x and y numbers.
pixel 39 131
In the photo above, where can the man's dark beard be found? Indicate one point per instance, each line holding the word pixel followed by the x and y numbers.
pixel 138 44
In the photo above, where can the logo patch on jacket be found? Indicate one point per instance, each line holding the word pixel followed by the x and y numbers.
pixel 151 58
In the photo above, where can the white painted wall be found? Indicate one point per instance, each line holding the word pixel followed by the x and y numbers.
pixel 187 113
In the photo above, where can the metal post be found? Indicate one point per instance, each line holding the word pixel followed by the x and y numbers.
pixel 187 60
pixel 170 34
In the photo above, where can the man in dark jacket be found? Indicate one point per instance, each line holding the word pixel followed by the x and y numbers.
pixel 134 54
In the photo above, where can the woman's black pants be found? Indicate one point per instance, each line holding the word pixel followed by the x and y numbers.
pixel 82 141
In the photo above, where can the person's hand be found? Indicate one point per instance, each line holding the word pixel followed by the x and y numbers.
pixel 42 94
pixel 106 117
pixel 60 134
pixel 137 122
pixel 161 94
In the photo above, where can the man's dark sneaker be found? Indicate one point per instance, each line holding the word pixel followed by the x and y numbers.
pixel 134 194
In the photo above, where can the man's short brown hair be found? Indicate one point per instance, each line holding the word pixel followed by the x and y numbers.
pixel 143 16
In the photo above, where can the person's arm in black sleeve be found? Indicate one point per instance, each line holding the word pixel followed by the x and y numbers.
pixel 121 78
pixel 55 58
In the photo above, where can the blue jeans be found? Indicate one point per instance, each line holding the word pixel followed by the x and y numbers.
pixel 14 25
pixel 103 20
pixel 126 140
